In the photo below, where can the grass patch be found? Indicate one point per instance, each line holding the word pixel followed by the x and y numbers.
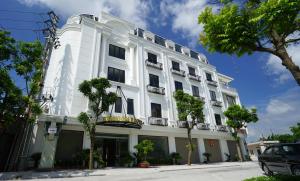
pixel 274 178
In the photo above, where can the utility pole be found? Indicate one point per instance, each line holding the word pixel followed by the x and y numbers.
pixel 18 156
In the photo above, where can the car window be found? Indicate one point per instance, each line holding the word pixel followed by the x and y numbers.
pixel 276 150
pixel 268 151
pixel 291 149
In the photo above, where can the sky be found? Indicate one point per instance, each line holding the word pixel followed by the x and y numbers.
pixel 261 80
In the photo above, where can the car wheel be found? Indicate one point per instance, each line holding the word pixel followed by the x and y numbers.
pixel 267 170
pixel 296 170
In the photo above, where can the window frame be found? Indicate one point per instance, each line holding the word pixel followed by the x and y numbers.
pixel 130 106
pixel 213 95
pixel 208 76
pixel 116 75
pixel 152 55
pixel 118 105
pixel 176 83
pixel 175 65
pixel 116 51
pixel 154 80
pixel 195 88
pixel 217 119
pixel 156 110
pixel 193 72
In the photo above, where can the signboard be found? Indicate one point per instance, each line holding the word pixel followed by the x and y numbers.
pixel 52 130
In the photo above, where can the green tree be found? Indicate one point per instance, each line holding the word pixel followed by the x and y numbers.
pixel 287 138
pixel 189 106
pixel 99 102
pixel 254 26
pixel 144 148
pixel 296 131
pixel 29 65
pixel 238 117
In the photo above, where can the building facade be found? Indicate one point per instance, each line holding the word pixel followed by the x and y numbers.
pixel 145 70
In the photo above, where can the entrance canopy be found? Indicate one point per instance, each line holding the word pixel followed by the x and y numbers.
pixel 122 121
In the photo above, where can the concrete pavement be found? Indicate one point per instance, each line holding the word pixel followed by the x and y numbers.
pixel 217 171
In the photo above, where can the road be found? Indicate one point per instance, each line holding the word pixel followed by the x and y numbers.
pixel 211 172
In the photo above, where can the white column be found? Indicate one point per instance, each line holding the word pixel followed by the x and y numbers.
pixel 97 57
pixel 201 149
pixel 103 54
pixel 86 141
pixel 132 63
pixel 49 149
pixel 133 140
pixel 172 144
pixel 224 148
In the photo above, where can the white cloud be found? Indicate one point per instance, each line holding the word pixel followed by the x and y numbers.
pixel 184 16
pixel 275 68
pixel 135 11
pixel 280 113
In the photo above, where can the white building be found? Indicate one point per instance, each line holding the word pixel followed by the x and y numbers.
pixel 148 69
pixel 257 148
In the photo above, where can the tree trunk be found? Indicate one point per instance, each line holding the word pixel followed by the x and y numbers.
pixel 289 64
pixel 239 150
pixel 91 160
pixel 190 146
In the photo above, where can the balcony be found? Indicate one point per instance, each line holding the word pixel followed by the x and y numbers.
pixel 158 121
pixel 216 103
pixel 156 90
pixel 156 65
pixel 228 88
pixel 178 72
pixel 222 128
pixel 194 77
pixel 200 97
pixel 203 126
pixel 212 83
pixel 182 124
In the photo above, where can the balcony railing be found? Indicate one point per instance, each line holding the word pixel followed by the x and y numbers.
pixel 226 87
pixel 200 97
pixel 178 72
pixel 194 77
pixel 222 128
pixel 156 90
pixel 216 103
pixel 156 65
pixel 203 126
pixel 212 83
pixel 158 121
pixel 182 124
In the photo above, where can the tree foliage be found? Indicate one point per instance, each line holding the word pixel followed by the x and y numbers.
pixel 238 117
pixel 99 101
pixel 24 58
pixel 287 138
pixel 256 25
pixel 189 106
pixel 144 148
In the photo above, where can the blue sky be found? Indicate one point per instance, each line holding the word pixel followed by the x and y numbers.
pixel 259 78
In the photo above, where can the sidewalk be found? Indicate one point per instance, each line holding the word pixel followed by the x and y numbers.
pixel 113 171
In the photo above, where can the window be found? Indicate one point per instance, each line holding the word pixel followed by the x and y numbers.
pixel 218 119
pixel 230 100
pixel 152 58
pixel 175 66
pixel 118 105
pixel 177 48
pixel 154 80
pixel 116 75
pixel 194 54
pixel 116 51
pixel 178 85
pixel 155 110
pixel 192 71
pixel 195 90
pixel 213 96
pixel 130 107
pixel 208 77
pixel 291 149
pixel 268 151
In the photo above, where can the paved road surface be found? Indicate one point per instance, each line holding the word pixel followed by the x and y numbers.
pixel 222 172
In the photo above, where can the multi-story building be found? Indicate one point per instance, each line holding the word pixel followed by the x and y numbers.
pixel 145 70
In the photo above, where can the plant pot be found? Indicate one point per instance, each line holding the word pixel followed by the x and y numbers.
pixel 144 164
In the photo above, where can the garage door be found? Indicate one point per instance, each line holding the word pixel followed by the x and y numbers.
pixel 183 151
pixel 212 146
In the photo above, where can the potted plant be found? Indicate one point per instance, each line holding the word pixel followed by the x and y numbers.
pixel 143 149
pixel 207 155
pixel 127 160
pixel 175 157
pixel 228 157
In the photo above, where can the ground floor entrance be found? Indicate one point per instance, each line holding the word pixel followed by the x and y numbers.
pixel 112 147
